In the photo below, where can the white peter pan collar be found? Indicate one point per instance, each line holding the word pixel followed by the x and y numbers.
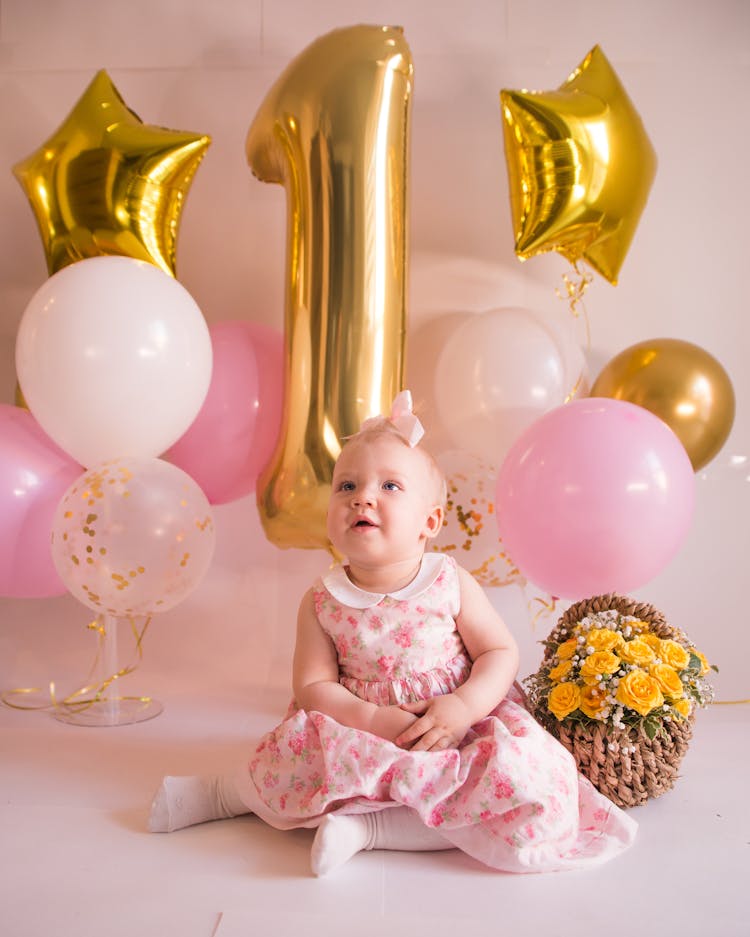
pixel 344 590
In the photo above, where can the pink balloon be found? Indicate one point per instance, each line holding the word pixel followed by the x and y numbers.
pixel 235 432
pixel 34 473
pixel 596 496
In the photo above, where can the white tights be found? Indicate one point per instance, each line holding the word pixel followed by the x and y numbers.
pixel 185 801
pixel 340 836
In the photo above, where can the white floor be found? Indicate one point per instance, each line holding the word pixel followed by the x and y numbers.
pixel 76 859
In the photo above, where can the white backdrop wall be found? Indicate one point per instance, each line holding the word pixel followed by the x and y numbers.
pixel 205 67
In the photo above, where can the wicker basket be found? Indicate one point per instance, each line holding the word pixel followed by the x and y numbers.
pixel 627 778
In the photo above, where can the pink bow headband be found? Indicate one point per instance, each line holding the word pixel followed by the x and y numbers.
pixel 402 418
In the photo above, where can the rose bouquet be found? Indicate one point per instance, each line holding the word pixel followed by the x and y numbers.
pixel 619 687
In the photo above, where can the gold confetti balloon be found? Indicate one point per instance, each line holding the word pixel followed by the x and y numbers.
pixel 580 167
pixel 105 183
pixel 470 532
pixel 132 537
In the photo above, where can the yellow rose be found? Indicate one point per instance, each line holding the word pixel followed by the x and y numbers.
pixel 637 652
pixel 600 662
pixel 653 641
pixel 683 706
pixel 593 701
pixel 674 654
pixel 705 666
pixel 563 699
pixel 668 680
pixel 567 649
pixel 604 639
pixel 562 670
pixel 639 691
pixel 639 625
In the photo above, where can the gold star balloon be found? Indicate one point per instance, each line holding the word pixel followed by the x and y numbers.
pixel 106 183
pixel 580 167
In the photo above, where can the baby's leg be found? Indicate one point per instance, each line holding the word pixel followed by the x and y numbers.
pixel 340 836
pixel 185 801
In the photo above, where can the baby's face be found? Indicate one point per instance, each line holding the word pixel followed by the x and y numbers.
pixel 385 501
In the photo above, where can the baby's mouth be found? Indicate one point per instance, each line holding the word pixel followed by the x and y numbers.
pixel 363 522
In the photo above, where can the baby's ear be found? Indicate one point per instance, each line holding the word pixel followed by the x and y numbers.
pixel 434 523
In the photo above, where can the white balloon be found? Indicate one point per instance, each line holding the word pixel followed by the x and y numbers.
pixel 113 357
pixel 498 372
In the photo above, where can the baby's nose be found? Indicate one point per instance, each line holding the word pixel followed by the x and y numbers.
pixel 363 495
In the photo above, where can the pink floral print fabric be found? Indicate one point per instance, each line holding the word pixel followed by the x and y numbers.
pixel 509 795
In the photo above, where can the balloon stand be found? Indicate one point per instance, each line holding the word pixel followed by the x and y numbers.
pixel 98 703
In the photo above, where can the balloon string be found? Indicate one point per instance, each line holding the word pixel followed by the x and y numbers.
pixel 575 388
pixel 81 699
pixel 546 606
pixel 575 289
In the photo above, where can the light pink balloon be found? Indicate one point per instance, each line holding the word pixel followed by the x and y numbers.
pixel 499 371
pixel 596 496
pixel 235 432
pixel 34 473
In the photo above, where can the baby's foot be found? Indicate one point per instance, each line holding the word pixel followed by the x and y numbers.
pixel 185 801
pixel 338 838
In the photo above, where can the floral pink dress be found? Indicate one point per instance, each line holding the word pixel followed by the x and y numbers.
pixel 509 795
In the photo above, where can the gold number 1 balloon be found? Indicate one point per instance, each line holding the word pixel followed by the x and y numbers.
pixel 106 183
pixel 333 130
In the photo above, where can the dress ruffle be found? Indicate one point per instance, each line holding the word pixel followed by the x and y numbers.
pixel 510 795
pixel 414 687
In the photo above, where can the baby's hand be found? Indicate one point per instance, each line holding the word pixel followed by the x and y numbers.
pixel 445 721
pixel 388 722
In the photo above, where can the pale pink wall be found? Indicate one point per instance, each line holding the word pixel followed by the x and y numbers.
pixel 205 67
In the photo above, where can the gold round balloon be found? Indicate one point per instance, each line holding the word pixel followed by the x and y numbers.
pixel 679 382
pixel 333 130
pixel 18 398
pixel 106 183
pixel 580 167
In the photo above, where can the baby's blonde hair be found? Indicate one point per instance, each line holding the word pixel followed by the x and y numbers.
pixel 384 427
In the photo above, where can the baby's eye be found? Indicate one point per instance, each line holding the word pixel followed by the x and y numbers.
pixel 391 486
pixel 346 486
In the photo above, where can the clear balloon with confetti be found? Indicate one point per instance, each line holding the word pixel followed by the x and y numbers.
pixel 133 536
pixel 470 532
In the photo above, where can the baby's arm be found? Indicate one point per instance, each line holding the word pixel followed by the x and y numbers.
pixel 316 682
pixel 494 653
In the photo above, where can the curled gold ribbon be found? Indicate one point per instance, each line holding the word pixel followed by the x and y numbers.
pixel 575 289
pixel 546 606
pixel 93 691
pixel 573 293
